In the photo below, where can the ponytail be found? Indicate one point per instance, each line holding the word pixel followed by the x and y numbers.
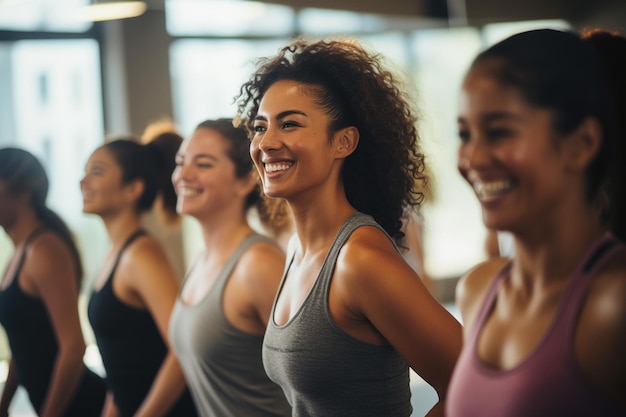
pixel 164 148
pixel 54 222
pixel 611 50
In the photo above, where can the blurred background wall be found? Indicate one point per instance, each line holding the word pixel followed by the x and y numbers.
pixel 67 83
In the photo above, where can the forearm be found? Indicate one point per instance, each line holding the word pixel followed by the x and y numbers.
pixel 167 388
pixel 109 409
pixel 66 375
pixel 10 387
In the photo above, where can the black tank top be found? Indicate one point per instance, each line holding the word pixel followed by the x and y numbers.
pixel 34 347
pixel 131 347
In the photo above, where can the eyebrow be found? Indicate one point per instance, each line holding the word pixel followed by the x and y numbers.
pixel 494 116
pixel 282 114
pixel 198 156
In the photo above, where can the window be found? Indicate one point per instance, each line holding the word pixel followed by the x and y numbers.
pixel 42 15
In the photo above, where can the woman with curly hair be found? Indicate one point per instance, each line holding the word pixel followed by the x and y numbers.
pixel 333 134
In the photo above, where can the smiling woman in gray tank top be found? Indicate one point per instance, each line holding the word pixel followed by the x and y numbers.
pixel 220 317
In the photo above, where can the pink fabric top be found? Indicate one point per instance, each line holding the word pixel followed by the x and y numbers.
pixel 549 382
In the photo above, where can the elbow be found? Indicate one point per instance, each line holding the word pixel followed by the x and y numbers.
pixel 73 350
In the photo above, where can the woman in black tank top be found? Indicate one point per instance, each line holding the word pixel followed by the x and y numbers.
pixel 39 298
pixel 136 289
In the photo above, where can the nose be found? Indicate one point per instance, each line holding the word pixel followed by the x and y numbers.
pixel 473 154
pixel 180 173
pixel 267 142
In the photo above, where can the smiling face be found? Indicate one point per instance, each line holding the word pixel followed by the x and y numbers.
pixel 102 188
pixel 509 153
pixel 291 148
pixel 205 177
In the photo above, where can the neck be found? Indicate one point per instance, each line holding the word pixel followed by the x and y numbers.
pixel 317 223
pixel 222 235
pixel 550 253
pixel 25 224
pixel 121 226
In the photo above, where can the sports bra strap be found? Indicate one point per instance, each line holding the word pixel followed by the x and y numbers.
pixel 29 241
pixel 129 241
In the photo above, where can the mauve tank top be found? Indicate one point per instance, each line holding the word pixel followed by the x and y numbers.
pixel 324 371
pixel 549 382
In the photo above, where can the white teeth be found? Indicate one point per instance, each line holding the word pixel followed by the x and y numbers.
pixel 185 192
pixel 281 166
pixel 491 190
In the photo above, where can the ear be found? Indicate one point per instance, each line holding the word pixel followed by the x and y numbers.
pixel 134 189
pixel 346 139
pixel 583 144
pixel 247 183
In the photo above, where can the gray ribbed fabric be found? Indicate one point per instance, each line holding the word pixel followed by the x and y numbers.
pixel 222 364
pixel 324 371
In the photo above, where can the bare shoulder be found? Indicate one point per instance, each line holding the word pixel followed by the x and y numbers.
pixel 49 252
pixel 368 261
pixel 601 340
pixel 144 246
pixel 368 247
pixel 605 308
pixel 145 260
pixel 265 260
pixel 49 266
pixel 472 287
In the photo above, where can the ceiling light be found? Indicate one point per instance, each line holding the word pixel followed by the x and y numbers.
pixel 110 10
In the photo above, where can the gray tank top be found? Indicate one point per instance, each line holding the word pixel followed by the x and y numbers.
pixel 221 363
pixel 324 371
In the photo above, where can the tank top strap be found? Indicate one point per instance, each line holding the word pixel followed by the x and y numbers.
pixel 129 241
pixel 489 300
pixel 243 246
pixel 29 241
pixel 596 257
pixel 352 223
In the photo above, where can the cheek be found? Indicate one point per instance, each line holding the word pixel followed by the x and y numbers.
pixel 254 147
pixel 175 176
pixel 254 154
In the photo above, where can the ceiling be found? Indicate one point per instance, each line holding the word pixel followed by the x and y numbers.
pixel 473 12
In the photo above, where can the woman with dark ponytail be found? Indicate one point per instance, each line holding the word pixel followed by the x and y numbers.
pixel 219 320
pixel 39 298
pixel 135 292
pixel 543 144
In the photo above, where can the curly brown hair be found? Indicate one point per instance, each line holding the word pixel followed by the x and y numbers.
pixel 386 173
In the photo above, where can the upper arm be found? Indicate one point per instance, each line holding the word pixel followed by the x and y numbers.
pixel 152 278
pixel 600 337
pixel 413 253
pixel 51 269
pixel 388 292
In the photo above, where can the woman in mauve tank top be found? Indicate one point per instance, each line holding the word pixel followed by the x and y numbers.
pixel 543 142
